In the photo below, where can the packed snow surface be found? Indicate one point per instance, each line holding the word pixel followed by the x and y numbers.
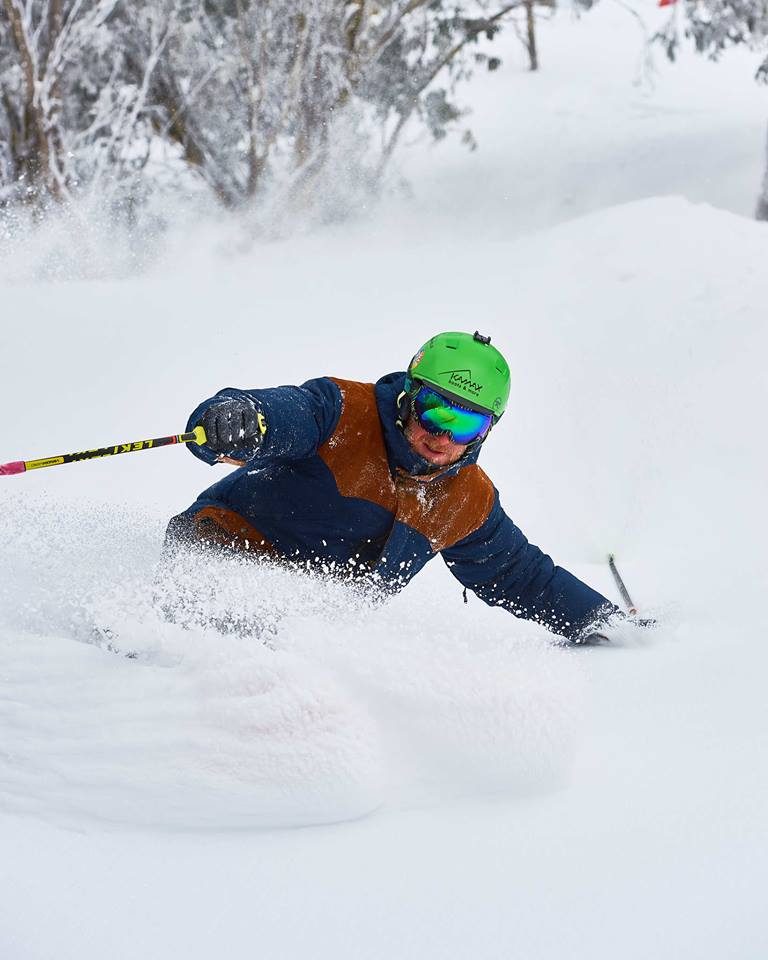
pixel 466 787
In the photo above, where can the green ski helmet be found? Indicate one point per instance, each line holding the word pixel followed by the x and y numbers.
pixel 465 368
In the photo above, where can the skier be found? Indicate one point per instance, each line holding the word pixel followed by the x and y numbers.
pixel 373 480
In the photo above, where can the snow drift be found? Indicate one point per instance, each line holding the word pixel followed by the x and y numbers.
pixel 350 706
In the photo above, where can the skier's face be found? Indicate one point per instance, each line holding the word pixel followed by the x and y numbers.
pixel 438 450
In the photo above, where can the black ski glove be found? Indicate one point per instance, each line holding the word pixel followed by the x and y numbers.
pixel 234 427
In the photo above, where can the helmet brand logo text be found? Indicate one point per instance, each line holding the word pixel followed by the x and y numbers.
pixel 462 380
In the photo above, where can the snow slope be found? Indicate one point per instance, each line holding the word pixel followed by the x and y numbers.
pixel 483 793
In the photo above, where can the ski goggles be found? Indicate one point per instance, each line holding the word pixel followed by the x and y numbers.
pixel 437 414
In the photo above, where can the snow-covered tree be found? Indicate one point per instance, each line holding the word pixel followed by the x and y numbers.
pixel 44 89
pixel 714 26
pixel 252 90
pixel 99 95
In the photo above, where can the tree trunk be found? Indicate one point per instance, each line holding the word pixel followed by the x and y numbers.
pixel 761 213
pixel 530 22
pixel 35 164
pixel 43 151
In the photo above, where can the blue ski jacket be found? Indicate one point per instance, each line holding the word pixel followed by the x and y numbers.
pixel 335 483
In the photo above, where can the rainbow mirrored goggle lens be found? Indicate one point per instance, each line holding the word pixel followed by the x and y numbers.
pixel 438 414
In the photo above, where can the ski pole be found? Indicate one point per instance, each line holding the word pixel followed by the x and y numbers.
pixel 21 466
pixel 631 608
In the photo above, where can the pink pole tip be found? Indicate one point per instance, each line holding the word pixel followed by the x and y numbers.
pixel 9 469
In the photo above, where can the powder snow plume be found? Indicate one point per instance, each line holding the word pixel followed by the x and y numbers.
pixel 313 704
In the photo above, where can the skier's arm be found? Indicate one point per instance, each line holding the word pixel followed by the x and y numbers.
pixel 498 563
pixel 296 421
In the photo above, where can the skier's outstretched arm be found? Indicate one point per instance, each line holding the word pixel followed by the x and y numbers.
pixel 498 563
pixel 275 423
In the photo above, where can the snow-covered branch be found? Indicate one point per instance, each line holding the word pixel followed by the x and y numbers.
pixel 242 95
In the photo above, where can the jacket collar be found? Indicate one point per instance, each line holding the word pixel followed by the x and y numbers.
pixel 402 459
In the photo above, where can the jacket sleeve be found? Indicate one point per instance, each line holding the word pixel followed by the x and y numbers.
pixel 498 563
pixel 298 419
